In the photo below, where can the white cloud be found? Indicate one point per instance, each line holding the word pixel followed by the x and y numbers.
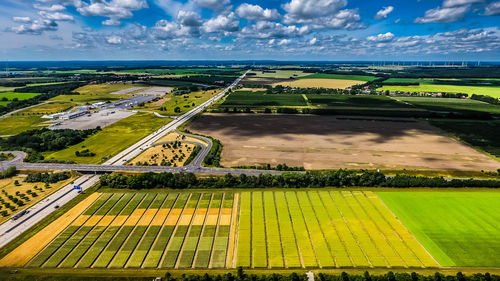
pixel 56 16
pixel 493 9
pixel 382 14
pixel 313 41
pixel 189 18
pixel 222 23
pixel 456 3
pixel 35 27
pixel 264 30
pixel 382 37
pixel 284 42
pixel 115 10
pixel 300 10
pixel 114 39
pixel 21 19
pixel 443 15
pixel 52 8
pixel 256 13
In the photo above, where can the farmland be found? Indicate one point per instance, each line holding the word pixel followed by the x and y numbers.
pixel 320 83
pixel 117 137
pixel 283 74
pixel 247 98
pixel 95 93
pixel 339 77
pixel 457 228
pixel 133 230
pixel 450 104
pixel 168 104
pixel 32 192
pixel 478 90
pixel 327 142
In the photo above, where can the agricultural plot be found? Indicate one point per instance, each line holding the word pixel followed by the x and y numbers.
pixel 329 142
pixel 457 228
pixel 143 230
pixel 450 104
pixel 493 91
pixel 270 229
pixel 247 98
pixel 329 229
pixel 356 101
pixel 339 76
pixel 320 83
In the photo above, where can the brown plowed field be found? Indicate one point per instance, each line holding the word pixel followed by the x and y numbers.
pixel 326 142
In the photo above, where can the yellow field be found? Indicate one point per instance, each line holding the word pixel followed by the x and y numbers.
pixel 8 186
pixel 22 254
pixel 321 83
pixel 160 217
pixel 147 217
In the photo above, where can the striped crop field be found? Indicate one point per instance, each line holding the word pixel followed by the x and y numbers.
pixel 265 229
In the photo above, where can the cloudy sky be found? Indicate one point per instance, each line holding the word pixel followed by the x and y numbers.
pixel 250 30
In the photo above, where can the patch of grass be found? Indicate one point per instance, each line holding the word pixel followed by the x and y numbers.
pixel 457 228
pixel 278 74
pixel 112 139
pixel 95 93
pixel 180 104
pixel 20 96
pixel 247 98
pixel 339 76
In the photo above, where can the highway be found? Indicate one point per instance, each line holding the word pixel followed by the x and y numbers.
pixel 13 228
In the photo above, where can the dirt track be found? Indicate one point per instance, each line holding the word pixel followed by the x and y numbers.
pixel 325 142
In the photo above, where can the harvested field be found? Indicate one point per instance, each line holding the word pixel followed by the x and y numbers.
pixel 328 142
pixel 170 154
pixel 320 83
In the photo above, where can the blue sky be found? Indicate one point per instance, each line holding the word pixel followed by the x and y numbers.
pixel 387 30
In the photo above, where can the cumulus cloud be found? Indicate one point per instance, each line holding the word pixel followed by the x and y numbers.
pixel 493 9
pixel 52 8
pixel 264 30
pixel 382 14
pixel 303 10
pixel 34 27
pixel 222 23
pixel 114 40
pixel 189 18
pixel 115 10
pixel 256 13
pixel 382 37
pixel 456 3
pixel 21 19
pixel 284 42
pixel 313 41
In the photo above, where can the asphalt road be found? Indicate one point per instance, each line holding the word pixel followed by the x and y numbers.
pixel 13 228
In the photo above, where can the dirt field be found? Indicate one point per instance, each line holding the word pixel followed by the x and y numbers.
pixel 321 83
pixel 325 142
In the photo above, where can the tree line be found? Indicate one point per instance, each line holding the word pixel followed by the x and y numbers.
pixel 314 179
pixel 47 177
pixel 40 140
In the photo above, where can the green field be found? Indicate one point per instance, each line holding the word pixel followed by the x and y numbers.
pixel 435 88
pixel 95 93
pixel 247 98
pixel 20 96
pixel 338 76
pixel 30 118
pixel 450 104
pixel 355 101
pixel 278 74
pixel 185 102
pixel 457 228
pixel 112 139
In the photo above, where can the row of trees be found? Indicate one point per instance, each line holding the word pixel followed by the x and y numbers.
pixel 486 99
pixel 316 179
pixel 47 177
pixel 389 276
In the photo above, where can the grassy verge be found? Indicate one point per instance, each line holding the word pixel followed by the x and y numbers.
pixel 193 154
pixel 112 139
pixel 46 221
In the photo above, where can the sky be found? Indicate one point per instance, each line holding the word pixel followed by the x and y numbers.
pixel 327 30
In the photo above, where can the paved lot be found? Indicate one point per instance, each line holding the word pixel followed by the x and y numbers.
pixel 102 118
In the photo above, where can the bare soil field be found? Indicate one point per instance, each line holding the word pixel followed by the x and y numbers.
pixel 320 83
pixel 328 142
